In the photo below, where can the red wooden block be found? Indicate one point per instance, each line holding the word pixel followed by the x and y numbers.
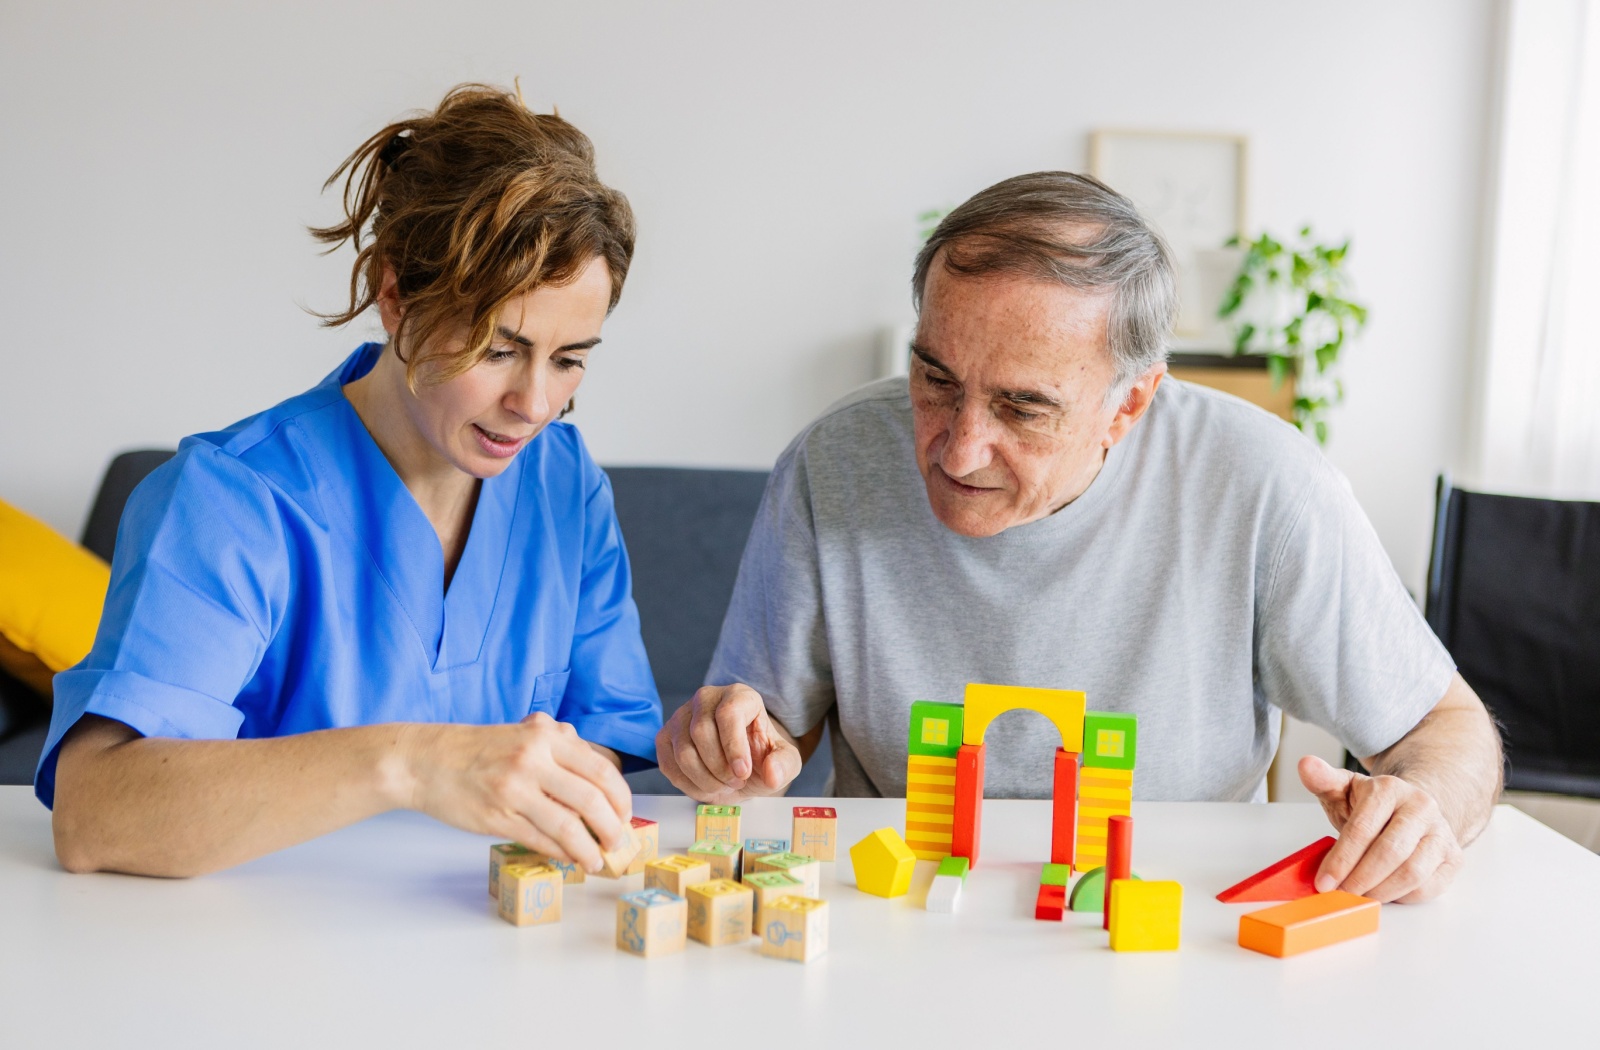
pixel 1287 880
pixel 1051 904
pixel 1064 810
pixel 1119 859
pixel 968 829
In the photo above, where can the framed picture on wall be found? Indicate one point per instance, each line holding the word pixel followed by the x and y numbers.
pixel 1192 187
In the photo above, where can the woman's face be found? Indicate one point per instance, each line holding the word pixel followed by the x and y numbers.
pixel 479 420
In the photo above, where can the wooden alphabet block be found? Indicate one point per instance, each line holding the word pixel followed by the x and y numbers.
pixel 769 886
pixel 755 849
pixel 676 874
pixel 503 853
pixel 795 928
pixel 652 922
pixel 719 912
pixel 614 865
pixel 530 894
pixel 717 824
pixel 816 832
pixel 722 856
pixel 649 833
pixel 808 871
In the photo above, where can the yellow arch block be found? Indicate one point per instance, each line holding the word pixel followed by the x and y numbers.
pixel 1064 707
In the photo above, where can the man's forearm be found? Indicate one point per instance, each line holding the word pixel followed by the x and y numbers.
pixel 1454 755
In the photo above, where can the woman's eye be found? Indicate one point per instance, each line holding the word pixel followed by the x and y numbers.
pixel 566 364
pixel 501 354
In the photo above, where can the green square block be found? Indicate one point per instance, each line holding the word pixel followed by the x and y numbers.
pixel 1055 875
pixel 1110 740
pixel 956 866
pixel 935 729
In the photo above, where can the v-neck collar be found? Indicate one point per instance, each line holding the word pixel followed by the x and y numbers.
pixel 400 540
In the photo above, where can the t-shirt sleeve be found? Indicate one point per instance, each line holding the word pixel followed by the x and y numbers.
pixel 1340 644
pixel 610 698
pixel 773 637
pixel 198 583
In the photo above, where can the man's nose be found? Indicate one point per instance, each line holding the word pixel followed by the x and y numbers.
pixel 969 446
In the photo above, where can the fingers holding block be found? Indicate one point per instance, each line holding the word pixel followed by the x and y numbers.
pixel 649 835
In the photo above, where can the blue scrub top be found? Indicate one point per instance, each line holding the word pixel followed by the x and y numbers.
pixel 277 577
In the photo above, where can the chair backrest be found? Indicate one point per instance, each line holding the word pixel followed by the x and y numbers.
pixel 124 474
pixel 1514 594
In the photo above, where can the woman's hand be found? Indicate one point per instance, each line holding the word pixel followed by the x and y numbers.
pixel 536 783
pixel 722 747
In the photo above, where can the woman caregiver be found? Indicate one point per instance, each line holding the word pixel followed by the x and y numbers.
pixel 404 588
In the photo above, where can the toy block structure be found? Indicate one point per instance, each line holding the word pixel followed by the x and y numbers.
pixel 816 832
pixel 615 864
pixel 931 746
pixel 795 928
pixel 1310 922
pixel 720 912
pixel 808 871
pixel 717 824
pixel 649 835
pixel 945 893
pixel 723 857
pixel 503 853
pixel 1063 707
pixel 1055 875
pixel 1051 904
pixel 1102 794
pixel 530 894
pixel 676 874
pixel 1145 916
pixel 1119 859
pixel 652 922
pixel 1089 893
pixel 769 886
pixel 883 863
pixel 967 832
pixel 1286 880
pixel 1110 740
pixel 1064 809
pixel 755 849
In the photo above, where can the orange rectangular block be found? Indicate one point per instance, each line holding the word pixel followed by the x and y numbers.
pixel 1310 922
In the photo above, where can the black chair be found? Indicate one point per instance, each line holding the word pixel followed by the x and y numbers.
pixel 1514 594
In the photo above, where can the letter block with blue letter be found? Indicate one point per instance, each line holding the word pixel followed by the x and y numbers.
pixel 652 922
pixel 795 928
pixel 530 894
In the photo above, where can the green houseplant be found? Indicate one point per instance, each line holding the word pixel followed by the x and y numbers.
pixel 1292 304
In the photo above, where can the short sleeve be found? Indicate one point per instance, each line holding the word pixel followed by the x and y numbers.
pixel 1340 643
pixel 774 638
pixel 198 584
pixel 610 698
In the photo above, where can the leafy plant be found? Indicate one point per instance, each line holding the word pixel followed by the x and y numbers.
pixel 1292 304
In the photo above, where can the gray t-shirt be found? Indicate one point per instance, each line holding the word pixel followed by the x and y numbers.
pixel 1216 570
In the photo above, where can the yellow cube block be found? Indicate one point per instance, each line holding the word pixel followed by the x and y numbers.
pixel 652 922
pixel 795 928
pixel 1145 916
pixel 719 912
pixel 530 894
pixel 676 874
pixel 883 863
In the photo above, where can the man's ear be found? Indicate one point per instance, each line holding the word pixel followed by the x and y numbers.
pixel 1134 403
pixel 389 308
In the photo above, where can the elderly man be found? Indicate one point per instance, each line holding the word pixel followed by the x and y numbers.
pixel 1037 506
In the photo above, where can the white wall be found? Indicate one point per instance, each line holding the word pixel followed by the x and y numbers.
pixel 158 163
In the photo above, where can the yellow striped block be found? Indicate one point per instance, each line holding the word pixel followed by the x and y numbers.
pixel 1102 794
pixel 930 805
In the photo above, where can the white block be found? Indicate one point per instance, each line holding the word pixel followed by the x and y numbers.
pixel 945 893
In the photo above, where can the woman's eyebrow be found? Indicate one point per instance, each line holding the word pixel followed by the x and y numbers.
pixel 521 340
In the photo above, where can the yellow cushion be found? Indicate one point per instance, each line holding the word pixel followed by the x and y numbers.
pixel 52 592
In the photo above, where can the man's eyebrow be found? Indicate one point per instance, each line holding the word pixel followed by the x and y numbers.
pixel 522 340
pixel 1016 397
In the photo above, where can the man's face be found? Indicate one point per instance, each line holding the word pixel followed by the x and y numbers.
pixel 1008 392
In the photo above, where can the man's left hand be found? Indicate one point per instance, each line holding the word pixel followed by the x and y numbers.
pixel 1394 843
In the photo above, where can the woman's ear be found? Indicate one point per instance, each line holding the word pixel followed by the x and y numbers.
pixel 389 307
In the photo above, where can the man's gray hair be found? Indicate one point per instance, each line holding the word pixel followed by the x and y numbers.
pixel 1074 229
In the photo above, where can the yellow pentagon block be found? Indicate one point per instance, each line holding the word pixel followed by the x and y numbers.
pixel 1063 707
pixel 883 863
pixel 1146 916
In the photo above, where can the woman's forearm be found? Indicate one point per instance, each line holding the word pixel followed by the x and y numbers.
pixel 156 806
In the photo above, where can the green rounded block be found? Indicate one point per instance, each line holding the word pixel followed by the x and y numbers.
pixel 935 729
pixel 1110 740
pixel 1090 892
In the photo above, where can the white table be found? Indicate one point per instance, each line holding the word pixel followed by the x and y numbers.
pixel 383 935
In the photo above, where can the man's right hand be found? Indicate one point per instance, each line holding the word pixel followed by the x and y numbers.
pixel 535 782
pixel 722 747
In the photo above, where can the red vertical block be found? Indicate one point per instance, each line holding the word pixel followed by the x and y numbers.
pixel 1064 814
pixel 968 827
pixel 1119 859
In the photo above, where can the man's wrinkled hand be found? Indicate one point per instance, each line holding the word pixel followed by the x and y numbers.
pixel 1394 843
pixel 722 747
